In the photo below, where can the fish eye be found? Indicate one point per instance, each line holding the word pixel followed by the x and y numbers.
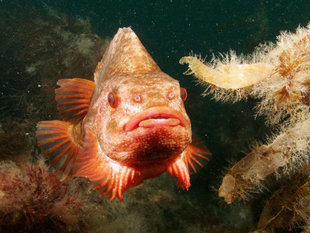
pixel 183 93
pixel 113 100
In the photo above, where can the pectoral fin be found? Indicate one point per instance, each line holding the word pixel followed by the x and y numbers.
pixel 73 98
pixel 56 141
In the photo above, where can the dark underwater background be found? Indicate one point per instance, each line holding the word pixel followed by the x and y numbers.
pixel 42 41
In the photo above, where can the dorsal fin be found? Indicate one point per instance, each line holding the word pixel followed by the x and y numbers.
pixel 73 98
pixel 125 55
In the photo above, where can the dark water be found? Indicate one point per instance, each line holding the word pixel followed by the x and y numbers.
pixel 33 56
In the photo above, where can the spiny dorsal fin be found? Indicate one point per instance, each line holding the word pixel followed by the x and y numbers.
pixel 125 55
pixel 73 98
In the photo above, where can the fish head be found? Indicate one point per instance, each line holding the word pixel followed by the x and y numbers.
pixel 137 111
pixel 144 119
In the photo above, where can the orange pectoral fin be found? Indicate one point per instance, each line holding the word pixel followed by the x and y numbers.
pixel 55 141
pixel 194 150
pixel 73 98
pixel 112 178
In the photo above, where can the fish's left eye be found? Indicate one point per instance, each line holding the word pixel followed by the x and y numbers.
pixel 113 100
pixel 183 93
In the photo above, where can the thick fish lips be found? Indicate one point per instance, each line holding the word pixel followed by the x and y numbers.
pixel 155 117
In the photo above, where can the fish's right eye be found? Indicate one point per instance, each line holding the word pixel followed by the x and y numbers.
pixel 113 100
pixel 183 94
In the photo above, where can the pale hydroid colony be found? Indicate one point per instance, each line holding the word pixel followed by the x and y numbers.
pixel 278 75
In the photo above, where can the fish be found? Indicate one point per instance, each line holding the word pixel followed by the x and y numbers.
pixel 128 125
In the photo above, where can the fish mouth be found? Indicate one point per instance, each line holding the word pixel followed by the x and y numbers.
pixel 155 117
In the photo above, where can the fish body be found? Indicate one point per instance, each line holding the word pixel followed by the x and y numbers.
pixel 129 125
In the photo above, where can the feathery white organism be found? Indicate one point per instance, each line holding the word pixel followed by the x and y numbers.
pixel 278 75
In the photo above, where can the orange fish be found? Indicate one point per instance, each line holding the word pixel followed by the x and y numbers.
pixel 128 125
